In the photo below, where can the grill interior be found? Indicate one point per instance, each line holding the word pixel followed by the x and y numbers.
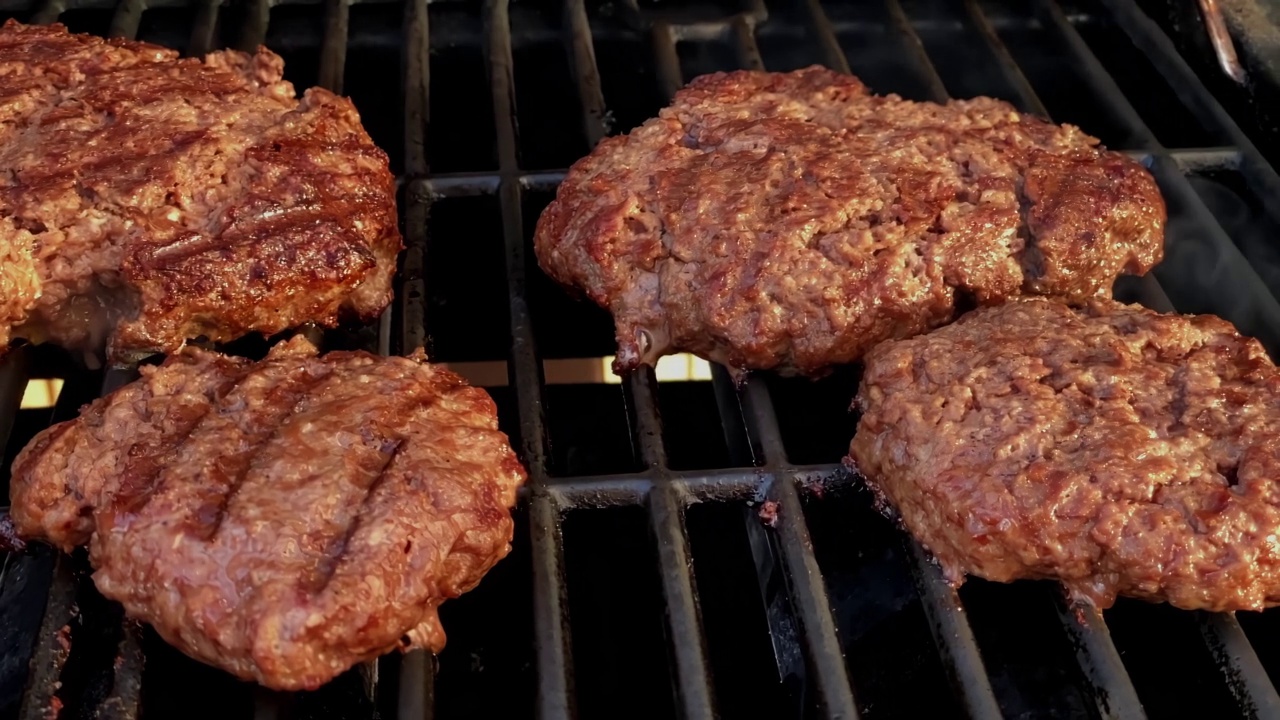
pixel 644 582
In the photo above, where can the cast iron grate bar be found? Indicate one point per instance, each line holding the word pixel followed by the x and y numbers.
pixel 915 48
pixel 832 55
pixel 551 628
pixel 56 640
pixel 53 644
pixel 817 625
pixel 333 49
pixel 1147 36
pixel 1248 294
pixel 468 184
pixel 1028 100
pixel 257 16
pixel 947 620
pixel 1113 689
pixel 124 23
pixel 953 635
pixel 203 28
pixel 1218 633
pixel 675 561
pixel 582 58
pixel 123 701
pixel 1236 658
pixel 804 577
pixel 665 502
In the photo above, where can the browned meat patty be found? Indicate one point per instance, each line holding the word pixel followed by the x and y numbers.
pixel 794 220
pixel 1121 451
pixel 284 519
pixel 146 199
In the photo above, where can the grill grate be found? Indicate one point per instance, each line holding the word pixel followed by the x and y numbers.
pixel 586 62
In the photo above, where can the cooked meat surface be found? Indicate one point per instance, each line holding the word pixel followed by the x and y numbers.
pixel 1118 450
pixel 146 199
pixel 283 519
pixel 794 220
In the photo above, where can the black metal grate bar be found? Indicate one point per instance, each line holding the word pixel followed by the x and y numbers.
pixel 254 31
pixel 582 58
pixel 953 635
pixel 417 89
pixel 124 702
pixel 804 577
pixel 333 48
pixel 925 70
pixel 1147 37
pixel 1113 690
pixel 468 184
pixel 675 561
pixel 947 621
pixel 817 624
pixel 832 56
pixel 53 644
pixel 1029 101
pixel 417 92
pixel 1246 677
pixel 204 28
pixel 551 628
pixel 48 12
pixel 417 686
pixel 124 23
pixel 744 33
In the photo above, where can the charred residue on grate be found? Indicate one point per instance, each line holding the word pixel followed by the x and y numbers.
pixel 882 625
pixel 1033 667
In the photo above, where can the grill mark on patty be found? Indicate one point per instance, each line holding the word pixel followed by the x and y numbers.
pixel 337 548
pixel 284 401
pixel 1030 258
pixel 141 477
pixel 149 149
pixel 234 604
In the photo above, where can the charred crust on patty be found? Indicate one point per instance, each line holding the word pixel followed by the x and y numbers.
pixel 1115 449
pixel 791 221
pixel 282 519
pixel 147 199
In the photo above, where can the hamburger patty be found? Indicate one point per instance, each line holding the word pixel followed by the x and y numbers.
pixel 794 220
pixel 1118 450
pixel 283 519
pixel 146 199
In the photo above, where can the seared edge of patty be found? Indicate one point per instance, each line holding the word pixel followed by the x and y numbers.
pixel 1121 451
pixel 286 519
pixel 160 198
pixel 793 220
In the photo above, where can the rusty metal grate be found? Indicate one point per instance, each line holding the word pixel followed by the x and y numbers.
pixel 450 86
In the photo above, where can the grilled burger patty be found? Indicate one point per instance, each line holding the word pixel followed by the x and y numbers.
pixel 1118 450
pixel 283 519
pixel 794 220
pixel 146 199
